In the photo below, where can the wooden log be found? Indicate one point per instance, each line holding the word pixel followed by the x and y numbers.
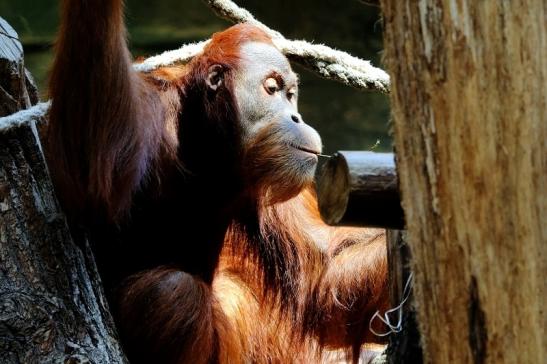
pixel 360 189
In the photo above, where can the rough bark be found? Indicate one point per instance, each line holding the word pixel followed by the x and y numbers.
pixel 469 109
pixel 17 89
pixel 360 188
pixel 52 308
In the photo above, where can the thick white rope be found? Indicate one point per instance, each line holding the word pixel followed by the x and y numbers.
pixel 181 55
pixel 21 117
pixel 325 61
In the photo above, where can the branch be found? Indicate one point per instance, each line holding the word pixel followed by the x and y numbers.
pixel 375 3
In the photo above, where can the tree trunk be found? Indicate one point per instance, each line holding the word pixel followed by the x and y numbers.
pixel 469 107
pixel 52 308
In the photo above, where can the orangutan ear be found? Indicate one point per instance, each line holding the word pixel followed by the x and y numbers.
pixel 215 77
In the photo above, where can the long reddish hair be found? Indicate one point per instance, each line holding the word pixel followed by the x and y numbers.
pixel 194 273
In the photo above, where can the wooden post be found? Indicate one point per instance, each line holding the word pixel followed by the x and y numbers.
pixel 360 188
pixel 469 86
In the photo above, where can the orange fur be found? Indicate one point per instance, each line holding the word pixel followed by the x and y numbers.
pixel 198 271
pixel 336 281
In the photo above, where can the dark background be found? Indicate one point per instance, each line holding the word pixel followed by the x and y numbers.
pixel 345 118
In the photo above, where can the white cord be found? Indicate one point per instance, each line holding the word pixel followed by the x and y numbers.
pixel 398 309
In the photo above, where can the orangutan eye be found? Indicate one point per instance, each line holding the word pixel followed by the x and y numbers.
pixel 271 85
pixel 291 93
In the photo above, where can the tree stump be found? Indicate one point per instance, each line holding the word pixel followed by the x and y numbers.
pixel 52 308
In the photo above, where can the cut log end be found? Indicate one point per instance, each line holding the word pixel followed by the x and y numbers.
pixel 360 189
pixel 333 189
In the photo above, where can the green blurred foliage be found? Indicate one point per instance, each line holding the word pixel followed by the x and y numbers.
pixel 345 118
